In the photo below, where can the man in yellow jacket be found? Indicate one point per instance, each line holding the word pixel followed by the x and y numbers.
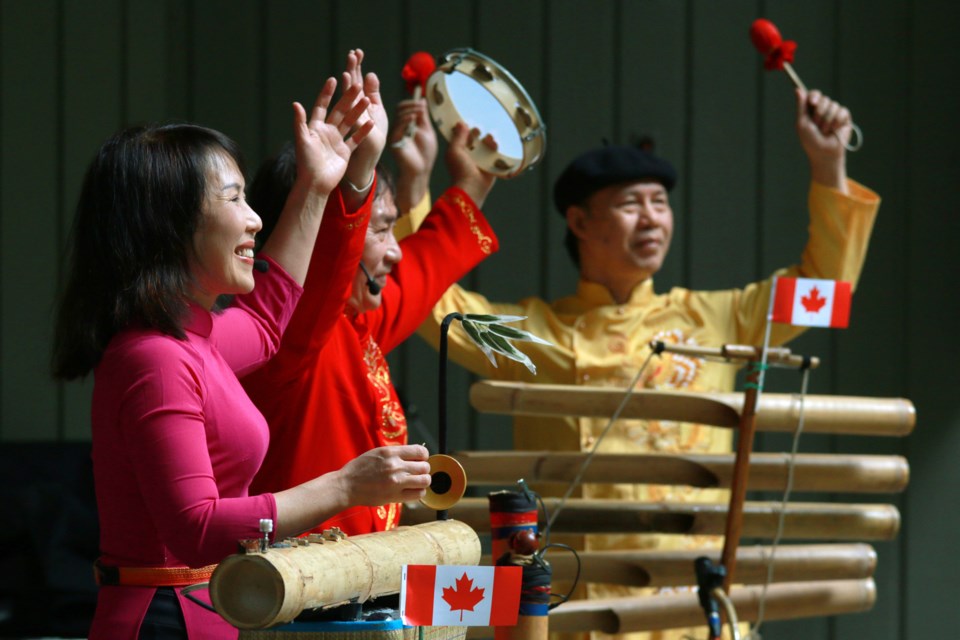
pixel 615 201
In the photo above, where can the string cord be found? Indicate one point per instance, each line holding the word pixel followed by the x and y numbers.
pixel 791 468
pixel 593 450
pixel 730 610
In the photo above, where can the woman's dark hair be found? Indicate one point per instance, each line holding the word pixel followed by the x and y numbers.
pixel 140 204
pixel 275 177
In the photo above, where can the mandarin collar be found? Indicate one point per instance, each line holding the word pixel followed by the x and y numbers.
pixel 597 295
pixel 200 320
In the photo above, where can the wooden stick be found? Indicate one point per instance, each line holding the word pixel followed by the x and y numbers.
pixel 776 356
pixel 733 527
pixel 842 473
pixel 794 78
pixel 840 415
pixel 669 568
pixel 804 520
pixel 784 601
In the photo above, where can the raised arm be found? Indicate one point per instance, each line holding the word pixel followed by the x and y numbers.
pixel 824 127
pixel 358 179
pixel 323 150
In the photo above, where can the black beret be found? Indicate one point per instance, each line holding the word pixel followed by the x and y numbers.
pixel 613 164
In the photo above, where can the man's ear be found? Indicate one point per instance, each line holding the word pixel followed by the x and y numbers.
pixel 576 220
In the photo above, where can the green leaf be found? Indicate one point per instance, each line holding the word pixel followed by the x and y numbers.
pixel 501 346
pixel 473 332
pixel 488 318
pixel 513 333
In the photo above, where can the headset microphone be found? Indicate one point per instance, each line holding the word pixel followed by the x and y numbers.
pixel 261 265
pixel 372 285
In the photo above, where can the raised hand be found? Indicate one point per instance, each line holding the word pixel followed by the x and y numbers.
pixel 364 160
pixel 414 155
pixel 463 170
pixel 386 474
pixel 323 146
pixel 824 127
pixel 324 143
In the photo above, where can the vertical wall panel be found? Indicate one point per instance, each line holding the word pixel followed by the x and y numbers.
pixel 580 103
pixel 721 170
pixel 300 51
pixel 930 239
pixel 146 74
pixel 371 25
pixel 29 244
pixel 298 56
pixel 871 77
pixel 226 74
pixel 653 64
pixel 93 55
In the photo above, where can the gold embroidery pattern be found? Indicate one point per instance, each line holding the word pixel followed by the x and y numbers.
pixel 485 242
pixel 677 371
pixel 393 424
pixel 390 514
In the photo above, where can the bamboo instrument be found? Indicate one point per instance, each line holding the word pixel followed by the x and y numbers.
pixel 257 590
pixel 810 521
pixel 668 568
pixel 768 471
pixel 784 601
pixel 842 415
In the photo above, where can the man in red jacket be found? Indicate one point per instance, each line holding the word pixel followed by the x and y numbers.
pixel 327 394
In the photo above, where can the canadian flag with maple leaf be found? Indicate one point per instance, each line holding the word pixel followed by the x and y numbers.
pixel 463 596
pixel 812 303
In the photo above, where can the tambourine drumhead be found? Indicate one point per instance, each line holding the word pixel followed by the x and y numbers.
pixel 449 481
pixel 470 87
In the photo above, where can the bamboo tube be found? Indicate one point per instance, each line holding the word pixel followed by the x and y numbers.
pixel 669 568
pixel 804 520
pixel 842 415
pixel 768 471
pixel 257 590
pixel 785 601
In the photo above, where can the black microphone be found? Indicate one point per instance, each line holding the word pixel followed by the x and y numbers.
pixel 372 285
pixel 261 265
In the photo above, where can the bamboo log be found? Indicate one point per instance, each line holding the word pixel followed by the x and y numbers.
pixel 768 471
pixel 804 520
pixel 842 415
pixel 670 568
pixel 257 590
pixel 785 601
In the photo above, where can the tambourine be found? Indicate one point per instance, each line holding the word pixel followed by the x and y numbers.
pixel 468 86
pixel 448 481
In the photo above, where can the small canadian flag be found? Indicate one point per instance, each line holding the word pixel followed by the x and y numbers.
pixel 812 303
pixel 464 596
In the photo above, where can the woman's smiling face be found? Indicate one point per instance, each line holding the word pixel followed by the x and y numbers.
pixel 221 261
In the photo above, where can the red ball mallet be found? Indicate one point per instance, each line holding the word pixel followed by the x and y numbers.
pixel 415 73
pixel 778 54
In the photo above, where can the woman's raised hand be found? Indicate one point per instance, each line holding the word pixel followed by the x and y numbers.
pixel 327 139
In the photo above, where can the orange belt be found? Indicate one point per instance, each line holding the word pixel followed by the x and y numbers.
pixel 150 576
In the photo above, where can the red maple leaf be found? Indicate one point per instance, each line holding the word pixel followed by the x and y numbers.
pixel 812 302
pixel 464 597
